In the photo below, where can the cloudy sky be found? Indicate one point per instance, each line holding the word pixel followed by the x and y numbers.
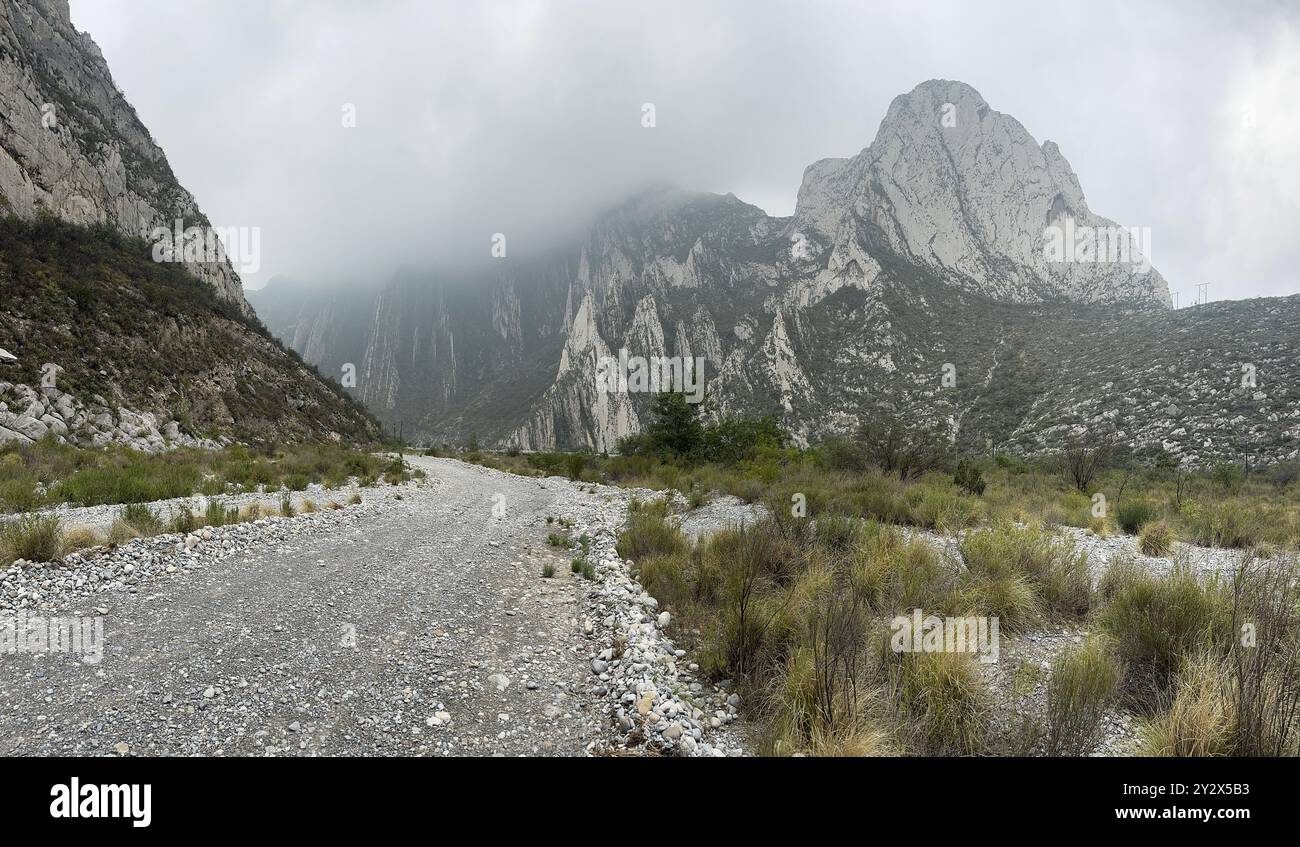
pixel 525 117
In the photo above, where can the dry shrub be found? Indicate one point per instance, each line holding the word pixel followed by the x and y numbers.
pixel 1083 684
pixel 1200 720
pixel 943 702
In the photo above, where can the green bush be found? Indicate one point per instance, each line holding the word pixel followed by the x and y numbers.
pixel 1132 515
pixel 140 480
pixel 1228 475
pixel 837 532
pixel 35 538
pixel 19 494
pixel 574 464
pixel 141 518
pixel 935 508
pixel 1157 620
pixel 217 514
pixel 843 454
pixel 184 521
pixel 1222 523
pixel 649 534
pixel 969 478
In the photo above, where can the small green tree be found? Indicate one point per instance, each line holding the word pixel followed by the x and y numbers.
pixel 969 477
pixel 675 429
pixel 899 448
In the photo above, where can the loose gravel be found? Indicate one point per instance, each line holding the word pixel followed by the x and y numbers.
pixel 415 623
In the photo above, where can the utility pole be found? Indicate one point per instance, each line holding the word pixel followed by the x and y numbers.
pixel 1202 293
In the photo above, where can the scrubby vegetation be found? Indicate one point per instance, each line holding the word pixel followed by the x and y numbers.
pixel 1084 682
pixel 43 538
pixel 897 474
pixel 802 616
pixel 46 473
pixel 164 342
pixel 32 537
pixel 798 606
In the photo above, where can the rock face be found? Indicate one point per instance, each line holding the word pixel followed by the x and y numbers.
pixel 28 414
pixel 71 145
pixel 961 190
pixel 919 277
pixel 113 346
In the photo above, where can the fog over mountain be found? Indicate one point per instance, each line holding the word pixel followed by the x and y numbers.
pixel 527 118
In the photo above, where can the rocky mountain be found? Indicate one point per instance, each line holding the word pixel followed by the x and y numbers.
pixel 112 344
pixel 71 144
pixel 952 273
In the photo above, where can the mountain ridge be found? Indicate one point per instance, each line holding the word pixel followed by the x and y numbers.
pixel 919 255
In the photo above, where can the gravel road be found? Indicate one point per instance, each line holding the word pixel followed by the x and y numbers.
pixel 415 624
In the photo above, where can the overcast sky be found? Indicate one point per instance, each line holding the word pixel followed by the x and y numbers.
pixel 523 118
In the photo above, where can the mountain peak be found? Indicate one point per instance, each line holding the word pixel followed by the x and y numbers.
pixel 965 191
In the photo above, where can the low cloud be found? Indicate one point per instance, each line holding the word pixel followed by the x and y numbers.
pixel 525 118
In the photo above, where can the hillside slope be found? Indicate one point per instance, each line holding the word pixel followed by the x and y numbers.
pixel 72 145
pixel 144 350
pixel 113 346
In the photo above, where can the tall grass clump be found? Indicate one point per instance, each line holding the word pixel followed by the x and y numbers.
pixel 1200 719
pixel 1222 523
pixel 1264 659
pixel 1156 620
pixel 944 703
pixel 941 508
pixel 1083 684
pixel 1156 539
pixel 649 534
pixel 134 480
pixel 897 575
pixel 1026 569
pixel 36 538
pixel 1132 515
pixel 141 518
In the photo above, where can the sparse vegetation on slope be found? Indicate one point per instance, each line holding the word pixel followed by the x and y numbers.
pixel 163 341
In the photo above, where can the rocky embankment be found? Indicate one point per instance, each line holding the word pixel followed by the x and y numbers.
pixel 29 414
